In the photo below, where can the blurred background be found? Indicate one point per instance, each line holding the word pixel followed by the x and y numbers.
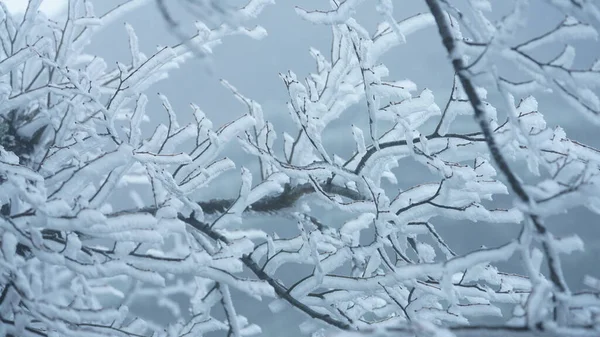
pixel 253 67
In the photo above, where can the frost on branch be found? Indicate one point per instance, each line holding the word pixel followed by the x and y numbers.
pixel 75 133
pixel 490 43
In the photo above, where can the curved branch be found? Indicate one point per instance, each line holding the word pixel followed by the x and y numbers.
pixel 458 63
pixel 279 289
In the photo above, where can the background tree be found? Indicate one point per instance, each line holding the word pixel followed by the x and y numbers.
pixel 73 136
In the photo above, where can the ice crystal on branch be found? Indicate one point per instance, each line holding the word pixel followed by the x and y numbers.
pixel 72 134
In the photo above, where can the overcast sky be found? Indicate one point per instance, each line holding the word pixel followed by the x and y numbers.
pixel 50 7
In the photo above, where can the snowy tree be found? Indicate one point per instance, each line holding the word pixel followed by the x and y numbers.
pixel 74 132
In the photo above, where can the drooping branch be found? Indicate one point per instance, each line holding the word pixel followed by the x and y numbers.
pixel 280 290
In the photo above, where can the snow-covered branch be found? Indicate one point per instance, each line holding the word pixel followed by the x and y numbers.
pixel 76 257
